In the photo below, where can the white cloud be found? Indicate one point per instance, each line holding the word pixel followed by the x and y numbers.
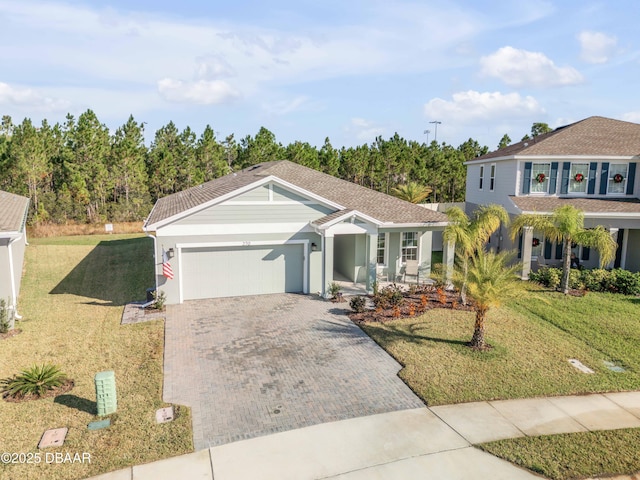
pixel 471 106
pixel 363 130
pixel 596 47
pixel 284 107
pixel 520 68
pixel 631 117
pixel 30 98
pixel 202 92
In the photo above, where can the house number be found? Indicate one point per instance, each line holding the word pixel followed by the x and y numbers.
pixel 246 243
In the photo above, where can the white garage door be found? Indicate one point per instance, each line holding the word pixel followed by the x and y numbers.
pixel 211 272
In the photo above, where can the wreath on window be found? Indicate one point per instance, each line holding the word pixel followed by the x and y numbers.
pixel 540 177
pixel 579 177
pixel 618 178
pixel 535 242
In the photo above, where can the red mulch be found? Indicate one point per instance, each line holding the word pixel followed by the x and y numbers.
pixel 54 392
pixel 10 333
pixel 413 306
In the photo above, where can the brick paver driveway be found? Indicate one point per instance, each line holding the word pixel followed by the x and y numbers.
pixel 251 366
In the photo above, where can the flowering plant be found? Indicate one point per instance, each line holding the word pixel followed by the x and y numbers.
pixel 618 178
pixel 540 177
pixel 535 242
pixel 579 177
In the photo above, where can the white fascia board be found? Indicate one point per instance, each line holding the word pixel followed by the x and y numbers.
pixel 11 235
pixel 240 191
pixel 586 158
pixel 414 225
pixel 350 214
pixel 490 160
pixel 232 229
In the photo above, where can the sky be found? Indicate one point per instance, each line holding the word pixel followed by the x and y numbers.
pixel 350 70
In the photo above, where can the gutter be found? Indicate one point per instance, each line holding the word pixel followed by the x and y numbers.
pixel 14 296
pixel 155 263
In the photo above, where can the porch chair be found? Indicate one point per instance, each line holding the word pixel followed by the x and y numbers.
pixel 411 269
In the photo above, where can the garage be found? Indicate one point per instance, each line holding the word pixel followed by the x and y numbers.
pixel 229 271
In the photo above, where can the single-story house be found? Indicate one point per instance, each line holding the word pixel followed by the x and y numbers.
pixel 13 239
pixel 282 227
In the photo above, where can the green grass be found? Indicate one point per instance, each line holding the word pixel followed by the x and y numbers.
pixel 532 340
pixel 72 296
pixel 574 455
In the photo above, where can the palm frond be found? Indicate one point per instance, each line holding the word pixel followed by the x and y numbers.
pixel 600 239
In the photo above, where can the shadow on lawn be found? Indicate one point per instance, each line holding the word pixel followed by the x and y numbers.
pixel 79 403
pixel 115 272
pixel 394 333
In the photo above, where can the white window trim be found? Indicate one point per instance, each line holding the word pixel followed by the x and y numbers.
pixel 585 181
pixel 417 247
pixel 624 182
pixel 533 179
pixel 386 251
pixel 481 185
pixel 492 177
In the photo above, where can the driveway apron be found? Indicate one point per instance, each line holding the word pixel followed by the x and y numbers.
pixel 253 366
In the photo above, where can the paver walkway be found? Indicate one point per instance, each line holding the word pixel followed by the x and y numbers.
pixel 252 366
pixel 426 443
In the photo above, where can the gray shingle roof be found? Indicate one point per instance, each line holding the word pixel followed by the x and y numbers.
pixel 13 212
pixel 587 205
pixel 597 136
pixel 378 205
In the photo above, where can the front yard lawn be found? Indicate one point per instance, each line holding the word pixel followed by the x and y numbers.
pixel 72 297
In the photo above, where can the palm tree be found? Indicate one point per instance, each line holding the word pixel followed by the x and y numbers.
pixel 490 281
pixel 471 234
pixel 566 224
pixel 411 192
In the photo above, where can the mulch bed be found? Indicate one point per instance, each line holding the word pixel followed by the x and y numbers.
pixel 413 305
pixel 10 333
pixel 54 392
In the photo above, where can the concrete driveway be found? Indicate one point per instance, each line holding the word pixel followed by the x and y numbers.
pixel 252 366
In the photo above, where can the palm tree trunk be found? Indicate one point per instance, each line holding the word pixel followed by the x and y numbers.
pixel 566 265
pixel 463 288
pixel 477 341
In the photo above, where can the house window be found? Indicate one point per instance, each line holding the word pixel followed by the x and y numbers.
pixel 409 246
pixel 617 178
pixel 540 177
pixel 492 179
pixel 381 249
pixel 481 176
pixel 578 177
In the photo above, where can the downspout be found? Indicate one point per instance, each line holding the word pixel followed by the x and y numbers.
pixel 155 264
pixel 14 296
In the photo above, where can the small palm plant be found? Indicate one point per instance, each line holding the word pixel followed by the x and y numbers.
pixel 34 381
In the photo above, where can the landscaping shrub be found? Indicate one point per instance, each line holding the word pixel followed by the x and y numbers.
pixel 357 304
pixel 389 296
pixel 35 381
pixel 547 276
pixel 596 280
pixel 160 298
pixel 4 316
pixel 334 289
pixel 624 281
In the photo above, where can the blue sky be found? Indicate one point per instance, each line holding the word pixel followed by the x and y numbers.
pixel 307 69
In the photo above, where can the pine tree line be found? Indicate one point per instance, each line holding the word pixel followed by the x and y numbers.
pixel 78 171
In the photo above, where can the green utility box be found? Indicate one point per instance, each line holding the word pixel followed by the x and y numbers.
pixel 106 393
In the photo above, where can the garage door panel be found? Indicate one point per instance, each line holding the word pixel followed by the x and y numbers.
pixel 235 271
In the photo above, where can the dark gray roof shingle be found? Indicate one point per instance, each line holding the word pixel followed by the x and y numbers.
pixel 591 136
pixel 375 204
pixel 13 212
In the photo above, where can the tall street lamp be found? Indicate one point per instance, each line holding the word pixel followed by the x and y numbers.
pixel 427 132
pixel 436 123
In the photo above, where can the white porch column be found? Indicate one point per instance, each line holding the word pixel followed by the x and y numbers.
pixel 372 259
pixel 525 251
pixel 327 264
pixel 448 256
pixel 425 250
pixel 614 234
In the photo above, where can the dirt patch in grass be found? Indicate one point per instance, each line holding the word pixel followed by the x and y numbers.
pixel 54 392
pixel 10 333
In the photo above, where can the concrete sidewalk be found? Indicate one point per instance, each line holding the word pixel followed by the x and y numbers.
pixel 426 443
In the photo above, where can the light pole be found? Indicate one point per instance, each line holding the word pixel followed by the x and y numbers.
pixel 435 135
pixel 427 132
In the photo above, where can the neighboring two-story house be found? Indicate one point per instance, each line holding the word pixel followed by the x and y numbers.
pixel 590 164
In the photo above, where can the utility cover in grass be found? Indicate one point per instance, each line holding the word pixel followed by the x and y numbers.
pixel 53 438
pixel 164 415
pixel 100 424
pixel 613 367
pixel 579 365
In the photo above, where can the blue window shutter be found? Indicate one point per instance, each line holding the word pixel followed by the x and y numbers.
pixel 591 188
pixel 631 176
pixel 553 178
pixel 564 185
pixel 526 178
pixel 559 251
pixel 547 249
pixel 585 253
pixel 520 246
pixel 604 178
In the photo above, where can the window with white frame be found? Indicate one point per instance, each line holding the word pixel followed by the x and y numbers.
pixel 492 178
pixel 409 246
pixel 578 177
pixel 617 178
pixel 540 177
pixel 381 249
pixel 481 176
